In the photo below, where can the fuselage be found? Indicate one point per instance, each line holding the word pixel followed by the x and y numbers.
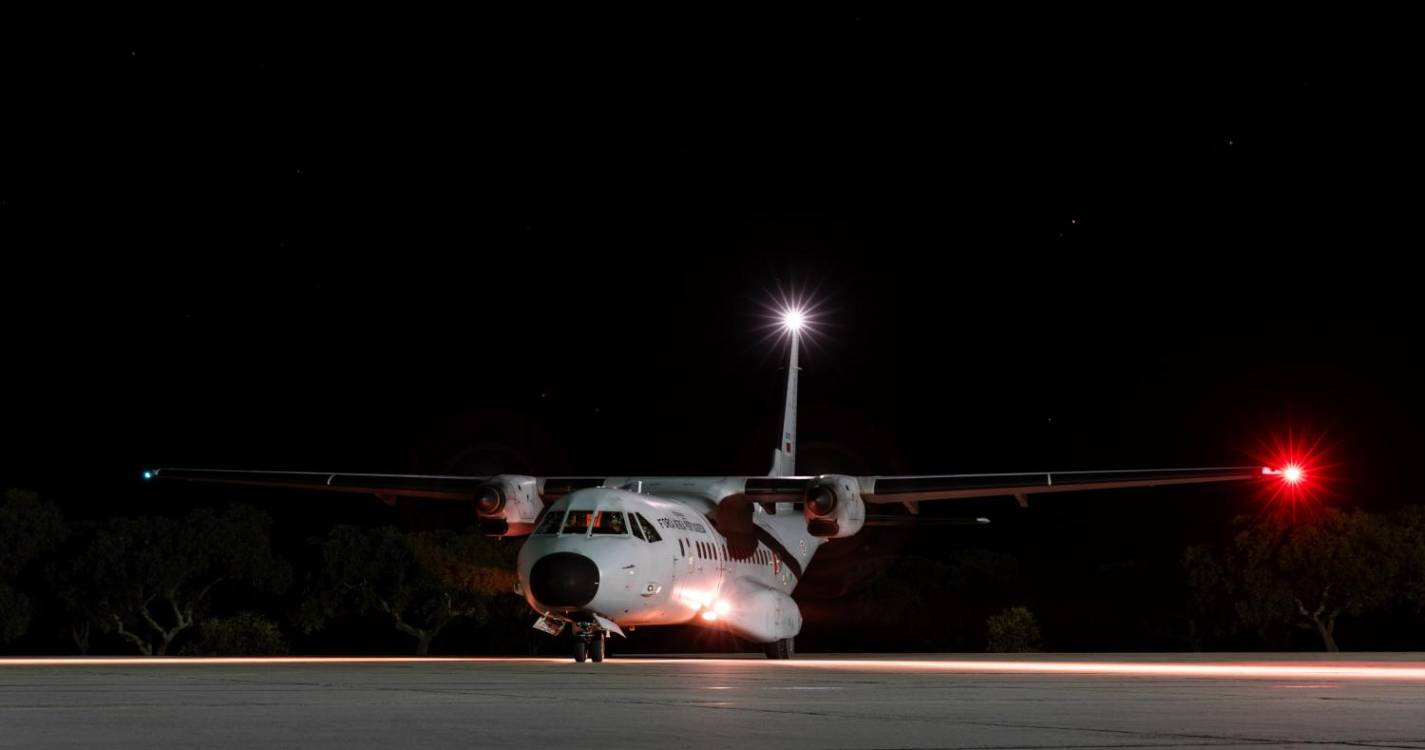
pixel 658 557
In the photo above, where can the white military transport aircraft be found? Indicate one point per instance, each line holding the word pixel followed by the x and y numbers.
pixel 605 553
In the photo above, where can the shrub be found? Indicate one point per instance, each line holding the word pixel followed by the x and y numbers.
pixel 1012 631
pixel 244 634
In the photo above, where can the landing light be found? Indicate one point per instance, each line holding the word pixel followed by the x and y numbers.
pixel 148 475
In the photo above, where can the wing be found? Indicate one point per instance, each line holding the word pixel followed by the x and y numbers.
pixel 874 489
pixel 384 486
pixel 914 489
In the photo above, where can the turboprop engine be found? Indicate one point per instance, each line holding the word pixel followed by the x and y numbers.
pixel 508 505
pixel 833 506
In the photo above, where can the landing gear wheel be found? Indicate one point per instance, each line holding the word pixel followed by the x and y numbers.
pixel 782 648
pixel 581 650
pixel 596 648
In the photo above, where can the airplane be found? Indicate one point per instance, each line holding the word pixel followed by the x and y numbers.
pixel 606 553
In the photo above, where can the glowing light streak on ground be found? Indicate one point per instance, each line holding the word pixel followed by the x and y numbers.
pixel 1335 670
pixel 191 661
pixel 1231 670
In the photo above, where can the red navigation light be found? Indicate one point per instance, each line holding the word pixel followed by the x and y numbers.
pixel 1301 470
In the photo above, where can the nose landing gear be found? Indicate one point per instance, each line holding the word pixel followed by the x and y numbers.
pixel 782 648
pixel 589 644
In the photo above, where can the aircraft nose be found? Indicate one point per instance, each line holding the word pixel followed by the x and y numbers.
pixel 564 579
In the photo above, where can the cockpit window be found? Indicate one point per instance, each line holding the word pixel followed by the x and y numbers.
pixel 649 533
pixel 601 521
pixel 610 522
pixel 633 526
pixel 577 522
pixel 551 522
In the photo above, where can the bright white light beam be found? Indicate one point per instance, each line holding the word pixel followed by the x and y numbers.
pixel 793 319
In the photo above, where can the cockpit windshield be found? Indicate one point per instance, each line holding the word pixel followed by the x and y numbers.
pixel 550 524
pixel 600 521
pixel 610 522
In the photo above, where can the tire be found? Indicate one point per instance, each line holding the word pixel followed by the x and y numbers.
pixel 581 650
pixel 596 649
pixel 778 649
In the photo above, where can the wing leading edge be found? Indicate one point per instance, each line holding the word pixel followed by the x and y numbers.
pixel 874 489
pixel 913 489
pixel 385 486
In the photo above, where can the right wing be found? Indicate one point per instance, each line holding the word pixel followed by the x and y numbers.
pixel 385 486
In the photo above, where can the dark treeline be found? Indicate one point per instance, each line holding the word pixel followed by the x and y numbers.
pixel 229 581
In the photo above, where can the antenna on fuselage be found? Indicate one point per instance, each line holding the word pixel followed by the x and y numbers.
pixel 784 459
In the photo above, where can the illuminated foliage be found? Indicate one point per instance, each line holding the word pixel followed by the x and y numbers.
pixel 149 579
pixel 422 581
pixel 1013 631
pixel 243 634
pixel 892 610
pixel 29 528
pixel 1408 526
pixel 1306 575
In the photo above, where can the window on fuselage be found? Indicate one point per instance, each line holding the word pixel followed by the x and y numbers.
pixel 550 524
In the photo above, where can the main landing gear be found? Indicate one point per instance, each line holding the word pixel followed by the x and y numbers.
pixel 782 648
pixel 589 645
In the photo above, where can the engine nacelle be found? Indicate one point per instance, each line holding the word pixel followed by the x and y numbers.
pixel 508 505
pixel 833 506
pixel 759 614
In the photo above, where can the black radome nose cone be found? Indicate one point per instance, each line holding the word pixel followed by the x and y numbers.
pixel 564 579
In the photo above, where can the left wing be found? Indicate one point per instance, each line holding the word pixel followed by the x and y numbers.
pixel 914 489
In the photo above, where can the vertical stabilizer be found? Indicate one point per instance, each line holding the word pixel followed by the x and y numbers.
pixel 784 459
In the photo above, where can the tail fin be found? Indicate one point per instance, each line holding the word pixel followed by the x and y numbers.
pixel 784 459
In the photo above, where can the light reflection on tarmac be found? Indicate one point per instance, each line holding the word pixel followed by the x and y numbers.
pixel 961 701
pixel 1347 669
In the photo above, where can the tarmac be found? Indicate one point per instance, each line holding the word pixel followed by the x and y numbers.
pixel 930 701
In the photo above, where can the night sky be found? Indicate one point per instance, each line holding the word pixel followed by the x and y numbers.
pixel 546 250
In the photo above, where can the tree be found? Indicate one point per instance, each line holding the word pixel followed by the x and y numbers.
pixel 29 529
pixel 149 579
pixel 1012 631
pixel 909 606
pixel 1306 574
pixel 1408 526
pixel 420 581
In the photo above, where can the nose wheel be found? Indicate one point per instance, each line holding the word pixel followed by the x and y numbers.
pixel 782 648
pixel 589 647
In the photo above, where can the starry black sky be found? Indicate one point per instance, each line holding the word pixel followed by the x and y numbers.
pixel 546 247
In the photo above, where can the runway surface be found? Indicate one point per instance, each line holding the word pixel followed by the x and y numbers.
pixel 1042 701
